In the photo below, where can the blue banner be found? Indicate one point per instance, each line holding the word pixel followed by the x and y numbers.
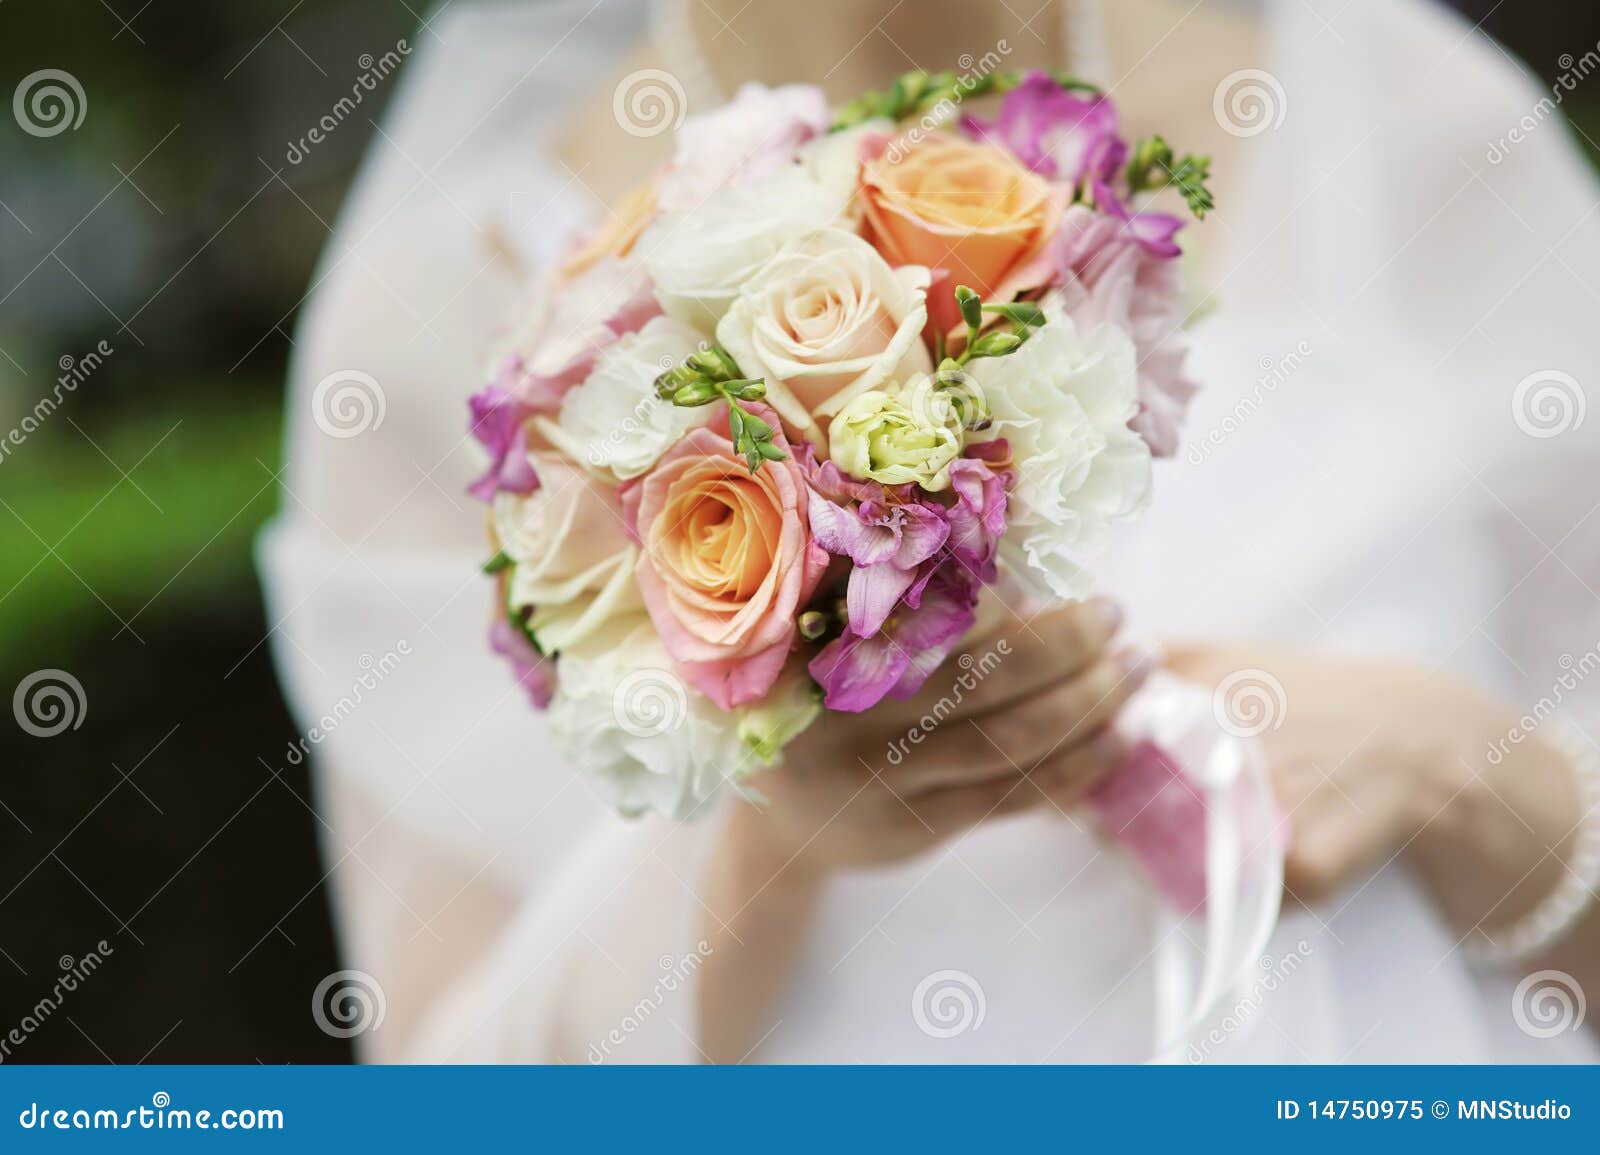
pixel 818 1109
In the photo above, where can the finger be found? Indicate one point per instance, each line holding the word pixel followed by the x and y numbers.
pixel 948 812
pixel 1068 774
pixel 1018 659
pixel 942 751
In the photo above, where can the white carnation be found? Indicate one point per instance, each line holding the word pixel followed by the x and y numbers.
pixel 647 740
pixel 614 421
pixel 1062 402
pixel 700 257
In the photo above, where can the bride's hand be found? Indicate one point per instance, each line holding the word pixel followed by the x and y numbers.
pixel 1016 720
pixel 1364 754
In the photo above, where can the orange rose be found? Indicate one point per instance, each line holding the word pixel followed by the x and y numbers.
pixel 969 211
pixel 616 236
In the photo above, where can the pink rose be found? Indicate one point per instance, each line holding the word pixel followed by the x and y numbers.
pixel 727 562
pixel 757 132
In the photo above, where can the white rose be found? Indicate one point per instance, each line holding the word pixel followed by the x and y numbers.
pixel 824 321
pixel 614 421
pixel 834 161
pixel 1062 402
pixel 647 741
pixel 700 257
pixel 573 559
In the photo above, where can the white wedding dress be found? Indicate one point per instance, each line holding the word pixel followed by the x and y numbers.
pixel 1359 481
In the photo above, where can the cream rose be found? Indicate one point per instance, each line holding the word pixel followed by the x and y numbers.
pixel 825 321
pixel 574 562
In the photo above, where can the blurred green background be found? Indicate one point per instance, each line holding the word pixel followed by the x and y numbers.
pixel 168 226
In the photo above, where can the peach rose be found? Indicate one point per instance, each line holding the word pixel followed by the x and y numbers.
pixel 619 232
pixel 728 561
pixel 969 211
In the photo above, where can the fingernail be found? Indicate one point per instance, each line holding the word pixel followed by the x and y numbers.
pixel 1109 611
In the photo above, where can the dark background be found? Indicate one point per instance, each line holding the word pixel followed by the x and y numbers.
pixel 169 225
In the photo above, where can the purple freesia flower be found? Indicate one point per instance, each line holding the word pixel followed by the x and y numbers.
pixel 1114 268
pixel 1153 231
pixel 857 672
pixel 1056 133
pixel 536 672
pixel 499 422
pixel 977 520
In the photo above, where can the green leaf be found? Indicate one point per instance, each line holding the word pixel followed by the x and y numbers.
pixel 500 561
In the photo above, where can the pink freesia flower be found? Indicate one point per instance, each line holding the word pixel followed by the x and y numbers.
pixel 1118 269
pixel 533 670
pixel 856 672
pixel 499 423
pixel 727 562
pixel 757 132
pixel 1056 133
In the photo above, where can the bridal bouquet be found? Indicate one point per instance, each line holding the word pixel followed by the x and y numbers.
pixel 770 431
